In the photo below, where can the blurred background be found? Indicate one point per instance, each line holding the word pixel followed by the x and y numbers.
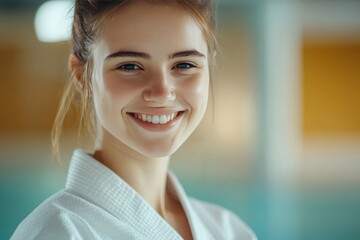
pixel 280 144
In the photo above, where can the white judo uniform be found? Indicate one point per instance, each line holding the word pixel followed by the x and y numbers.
pixel 97 204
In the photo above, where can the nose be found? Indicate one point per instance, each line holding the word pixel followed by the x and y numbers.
pixel 160 89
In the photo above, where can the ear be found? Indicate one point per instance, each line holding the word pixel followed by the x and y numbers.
pixel 77 68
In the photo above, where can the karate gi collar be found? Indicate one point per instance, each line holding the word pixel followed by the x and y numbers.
pixel 96 183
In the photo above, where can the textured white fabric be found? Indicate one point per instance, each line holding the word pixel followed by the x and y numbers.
pixel 98 204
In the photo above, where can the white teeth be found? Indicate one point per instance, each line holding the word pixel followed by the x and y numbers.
pixel 163 119
pixel 156 119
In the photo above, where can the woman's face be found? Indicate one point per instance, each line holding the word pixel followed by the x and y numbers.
pixel 151 78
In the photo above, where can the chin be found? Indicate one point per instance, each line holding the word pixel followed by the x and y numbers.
pixel 158 150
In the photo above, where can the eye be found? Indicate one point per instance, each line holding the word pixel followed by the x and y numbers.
pixel 184 66
pixel 129 67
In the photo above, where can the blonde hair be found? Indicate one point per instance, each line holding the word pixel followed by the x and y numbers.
pixel 89 17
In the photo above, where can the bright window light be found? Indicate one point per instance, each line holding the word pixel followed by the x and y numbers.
pixel 53 21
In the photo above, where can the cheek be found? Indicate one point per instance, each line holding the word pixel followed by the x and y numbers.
pixel 118 91
pixel 111 95
pixel 195 90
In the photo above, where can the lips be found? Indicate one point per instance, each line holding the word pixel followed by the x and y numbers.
pixel 159 121
pixel 156 119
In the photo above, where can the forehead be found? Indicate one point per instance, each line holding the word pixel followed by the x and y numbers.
pixel 152 28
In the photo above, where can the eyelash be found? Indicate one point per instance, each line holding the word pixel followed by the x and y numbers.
pixel 187 64
pixel 126 66
pixel 131 67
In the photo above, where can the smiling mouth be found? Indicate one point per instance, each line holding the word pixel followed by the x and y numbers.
pixel 157 119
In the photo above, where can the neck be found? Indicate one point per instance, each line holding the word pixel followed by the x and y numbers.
pixel 144 174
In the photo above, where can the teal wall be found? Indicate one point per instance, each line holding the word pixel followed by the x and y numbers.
pixel 318 213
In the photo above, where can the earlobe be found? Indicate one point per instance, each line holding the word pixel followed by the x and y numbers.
pixel 76 67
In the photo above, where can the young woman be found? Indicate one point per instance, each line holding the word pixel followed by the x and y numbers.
pixel 142 68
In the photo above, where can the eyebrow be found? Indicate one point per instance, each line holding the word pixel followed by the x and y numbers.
pixel 128 54
pixel 186 53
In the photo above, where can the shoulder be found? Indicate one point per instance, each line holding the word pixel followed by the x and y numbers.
pixel 56 218
pixel 222 222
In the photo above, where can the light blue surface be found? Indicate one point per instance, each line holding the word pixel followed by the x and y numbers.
pixel 317 213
